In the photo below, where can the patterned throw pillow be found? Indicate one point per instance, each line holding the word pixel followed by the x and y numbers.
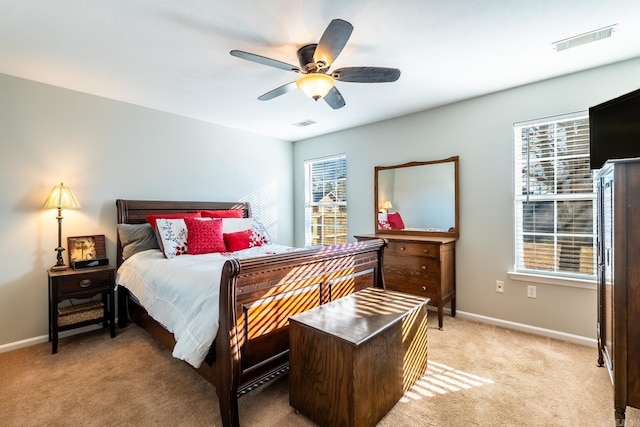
pixel 172 234
pixel 384 225
pixel 259 235
pixel 204 236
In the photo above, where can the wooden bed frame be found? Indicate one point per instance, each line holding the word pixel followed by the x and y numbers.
pixel 257 297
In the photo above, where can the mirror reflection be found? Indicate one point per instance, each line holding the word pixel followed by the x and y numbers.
pixel 418 197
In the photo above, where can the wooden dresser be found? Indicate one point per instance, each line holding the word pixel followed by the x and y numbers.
pixel 619 280
pixel 424 266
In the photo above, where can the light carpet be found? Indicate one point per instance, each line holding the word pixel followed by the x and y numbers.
pixel 478 375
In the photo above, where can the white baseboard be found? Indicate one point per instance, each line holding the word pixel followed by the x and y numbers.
pixel 45 338
pixel 550 333
pixel 577 339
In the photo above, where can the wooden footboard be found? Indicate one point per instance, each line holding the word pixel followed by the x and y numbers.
pixel 257 297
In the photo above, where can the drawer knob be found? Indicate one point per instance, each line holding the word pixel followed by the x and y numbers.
pixel 424 267
pixel 426 251
pixel 85 283
pixel 402 248
pixel 424 288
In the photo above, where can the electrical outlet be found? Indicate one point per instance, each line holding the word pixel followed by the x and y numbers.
pixel 499 286
pixel 531 291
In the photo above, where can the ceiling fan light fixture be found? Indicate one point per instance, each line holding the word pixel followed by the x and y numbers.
pixel 315 85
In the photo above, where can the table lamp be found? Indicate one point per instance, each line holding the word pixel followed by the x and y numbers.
pixel 60 198
pixel 386 205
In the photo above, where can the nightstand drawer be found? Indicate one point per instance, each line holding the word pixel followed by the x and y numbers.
pixel 85 282
pixel 81 285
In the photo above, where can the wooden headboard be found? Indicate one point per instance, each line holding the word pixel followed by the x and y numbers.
pixel 136 211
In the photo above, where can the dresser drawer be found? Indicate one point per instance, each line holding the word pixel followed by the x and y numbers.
pixel 85 283
pixel 414 272
pixel 416 249
pixel 419 268
pixel 424 290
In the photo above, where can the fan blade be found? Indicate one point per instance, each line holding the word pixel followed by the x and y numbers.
pixel 334 98
pixel 264 60
pixel 332 42
pixel 366 74
pixel 278 91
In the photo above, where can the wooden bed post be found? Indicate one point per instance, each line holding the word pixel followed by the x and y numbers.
pixel 123 313
pixel 227 348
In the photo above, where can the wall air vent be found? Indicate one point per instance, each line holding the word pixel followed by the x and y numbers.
pixel 305 123
pixel 579 40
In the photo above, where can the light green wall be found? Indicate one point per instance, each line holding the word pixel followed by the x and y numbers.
pixel 480 131
pixel 104 150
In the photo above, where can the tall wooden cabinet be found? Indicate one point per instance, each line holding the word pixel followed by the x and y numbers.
pixel 619 280
pixel 421 265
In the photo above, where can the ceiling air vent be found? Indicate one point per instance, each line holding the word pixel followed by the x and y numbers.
pixel 579 40
pixel 305 123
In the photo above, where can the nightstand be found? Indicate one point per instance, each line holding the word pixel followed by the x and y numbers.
pixel 76 285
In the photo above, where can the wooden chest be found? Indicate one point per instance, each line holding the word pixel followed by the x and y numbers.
pixel 351 360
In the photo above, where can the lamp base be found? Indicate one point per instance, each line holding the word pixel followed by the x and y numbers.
pixel 59 268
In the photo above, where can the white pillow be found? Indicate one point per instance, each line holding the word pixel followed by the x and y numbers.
pixel 232 225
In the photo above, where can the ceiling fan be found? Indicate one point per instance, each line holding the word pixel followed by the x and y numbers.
pixel 315 60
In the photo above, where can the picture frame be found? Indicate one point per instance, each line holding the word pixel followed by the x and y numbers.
pixel 86 248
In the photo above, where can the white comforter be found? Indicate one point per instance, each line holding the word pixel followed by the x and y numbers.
pixel 182 293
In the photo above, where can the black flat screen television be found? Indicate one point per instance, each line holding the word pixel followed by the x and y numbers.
pixel 615 129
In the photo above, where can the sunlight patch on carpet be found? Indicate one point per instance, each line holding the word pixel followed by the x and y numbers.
pixel 442 379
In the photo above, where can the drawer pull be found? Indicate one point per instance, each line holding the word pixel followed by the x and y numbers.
pixel 424 288
pixel 402 248
pixel 424 267
pixel 85 283
pixel 426 251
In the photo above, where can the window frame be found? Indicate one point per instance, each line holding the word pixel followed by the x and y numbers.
pixel 521 167
pixel 332 213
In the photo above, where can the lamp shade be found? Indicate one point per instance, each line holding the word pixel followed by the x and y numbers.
pixel 386 204
pixel 61 197
pixel 315 85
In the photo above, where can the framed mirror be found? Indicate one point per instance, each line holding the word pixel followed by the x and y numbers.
pixel 419 198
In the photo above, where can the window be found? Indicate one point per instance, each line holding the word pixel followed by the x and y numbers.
pixel 555 198
pixel 325 198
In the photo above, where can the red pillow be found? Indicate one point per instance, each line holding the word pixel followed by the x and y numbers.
pixel 151 218
pixel 395 221
pixel 222 213
pixel 238 240
pixel 204 236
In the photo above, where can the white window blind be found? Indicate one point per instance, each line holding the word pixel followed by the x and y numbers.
pixel 326 201
pixel 555 198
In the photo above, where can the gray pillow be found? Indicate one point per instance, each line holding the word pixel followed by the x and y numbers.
pixel 136 238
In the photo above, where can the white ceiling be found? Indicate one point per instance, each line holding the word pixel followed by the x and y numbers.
pixel 174 55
